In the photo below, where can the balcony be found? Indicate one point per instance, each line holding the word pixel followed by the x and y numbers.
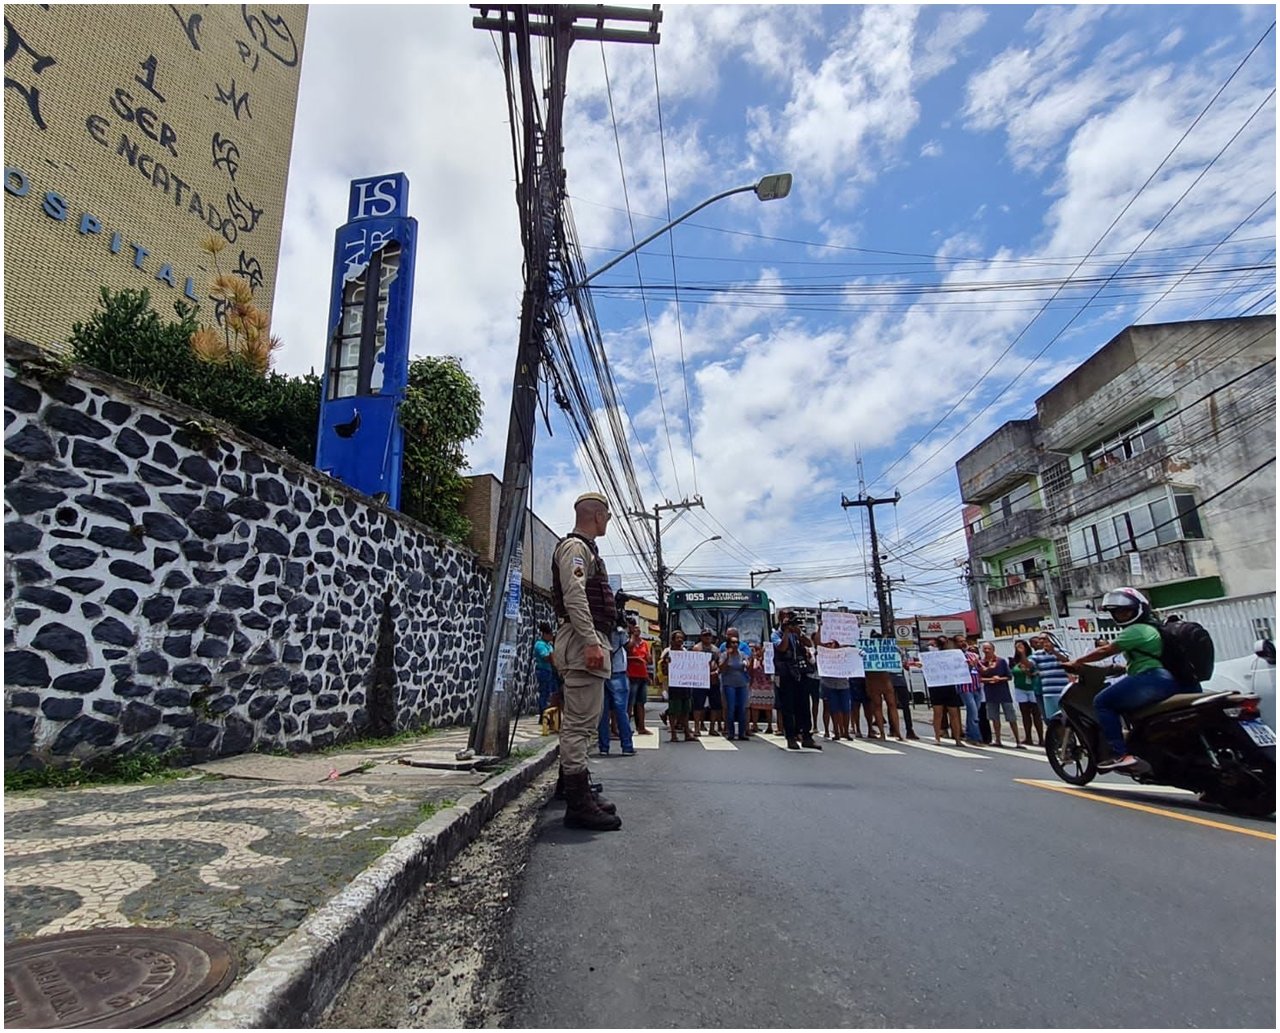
pixel 1019 597
pixel 998 463
pixel 1022 526
pixel 1115 483
pixel 1165 564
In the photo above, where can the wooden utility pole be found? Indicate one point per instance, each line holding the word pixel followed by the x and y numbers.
pixel 763 573
pixel 540 191
pixel 869 503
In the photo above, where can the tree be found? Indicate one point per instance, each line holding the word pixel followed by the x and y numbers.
pixel 441 412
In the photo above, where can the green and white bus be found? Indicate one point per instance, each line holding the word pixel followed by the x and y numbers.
pixel 747 609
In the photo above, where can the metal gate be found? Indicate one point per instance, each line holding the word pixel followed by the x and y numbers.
pixel 1234 623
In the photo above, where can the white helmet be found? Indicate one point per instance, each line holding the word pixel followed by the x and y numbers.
pixel 1127 599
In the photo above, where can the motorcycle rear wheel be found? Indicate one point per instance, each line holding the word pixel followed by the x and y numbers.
pixel 1069 755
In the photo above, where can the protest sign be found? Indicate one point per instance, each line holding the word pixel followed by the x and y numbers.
pixel 945 667
pixel 840 627
pixel 839 663
pixel 690 670
pixel 880 654
pixel 768 658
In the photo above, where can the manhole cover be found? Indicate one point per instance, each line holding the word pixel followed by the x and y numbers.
pixel 113 978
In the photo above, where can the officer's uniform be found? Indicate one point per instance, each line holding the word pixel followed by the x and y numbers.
pixel 585 607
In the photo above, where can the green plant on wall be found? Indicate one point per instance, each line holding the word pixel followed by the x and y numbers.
pixel 441 412
pixel 126 337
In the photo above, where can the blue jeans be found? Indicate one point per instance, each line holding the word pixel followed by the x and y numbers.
pixel 735 709
pixel 1132 692
pixel 971 702
pixel 616 691
pixel 546 686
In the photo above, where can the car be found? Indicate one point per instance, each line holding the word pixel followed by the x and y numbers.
pixel 1255 674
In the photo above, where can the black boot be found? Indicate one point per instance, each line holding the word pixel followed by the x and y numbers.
pixel 581 811
pixel 605 805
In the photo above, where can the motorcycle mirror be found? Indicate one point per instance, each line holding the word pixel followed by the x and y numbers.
pixel 1266 649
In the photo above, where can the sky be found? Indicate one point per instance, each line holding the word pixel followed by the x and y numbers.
pixel 983 197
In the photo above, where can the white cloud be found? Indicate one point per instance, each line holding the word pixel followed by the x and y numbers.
pixel 945 45
pixel 931 149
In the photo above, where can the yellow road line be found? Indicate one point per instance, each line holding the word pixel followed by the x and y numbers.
pixel 1146 808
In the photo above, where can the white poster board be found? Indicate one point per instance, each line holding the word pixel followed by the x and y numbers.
pixel 690 670
pixel 768 659
pixel 945 667
pixel 840 663
pixel 840 627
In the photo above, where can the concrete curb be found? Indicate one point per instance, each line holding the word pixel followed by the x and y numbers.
pixel 297 981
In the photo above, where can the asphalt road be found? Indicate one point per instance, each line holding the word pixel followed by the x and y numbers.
pixel 758 887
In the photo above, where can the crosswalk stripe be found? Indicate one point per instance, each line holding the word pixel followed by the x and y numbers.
pixel 1028 754
pixel 868 747
pixel 646 742
pixel 964 752
pixel 1114 787
pixel 715 742
pixel 780 741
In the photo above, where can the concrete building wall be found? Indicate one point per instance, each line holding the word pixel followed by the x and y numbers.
pixel 133 132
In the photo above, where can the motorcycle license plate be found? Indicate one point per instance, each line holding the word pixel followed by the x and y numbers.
pixel 1260 733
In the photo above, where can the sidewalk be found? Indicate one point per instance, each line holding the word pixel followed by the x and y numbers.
pixel 244 848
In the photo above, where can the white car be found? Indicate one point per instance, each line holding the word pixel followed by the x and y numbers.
pixel 1254 674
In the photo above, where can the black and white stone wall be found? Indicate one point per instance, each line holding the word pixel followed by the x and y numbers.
pixel 172 583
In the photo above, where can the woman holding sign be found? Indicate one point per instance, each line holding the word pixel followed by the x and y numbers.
pixel 945 699
pixel 679 697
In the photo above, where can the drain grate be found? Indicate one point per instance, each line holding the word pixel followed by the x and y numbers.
pixel 112 978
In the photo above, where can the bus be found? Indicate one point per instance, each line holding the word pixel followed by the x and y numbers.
pixel 747 609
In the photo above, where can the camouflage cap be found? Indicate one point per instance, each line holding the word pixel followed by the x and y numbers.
pixel 591 496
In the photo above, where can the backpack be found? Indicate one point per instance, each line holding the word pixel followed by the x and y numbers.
pixel 1187 651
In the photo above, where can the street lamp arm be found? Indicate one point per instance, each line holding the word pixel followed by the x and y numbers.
pixel 767 189
pixel 713 538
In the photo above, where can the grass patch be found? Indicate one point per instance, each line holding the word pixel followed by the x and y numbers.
pixel 399 739
pixel 516 756
pixel 121 769
pixel 424 811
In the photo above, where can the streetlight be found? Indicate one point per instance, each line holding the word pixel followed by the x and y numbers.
pixel 769 188
pixel 713 538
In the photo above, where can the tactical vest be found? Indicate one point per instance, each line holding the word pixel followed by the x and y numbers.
pixel 604 613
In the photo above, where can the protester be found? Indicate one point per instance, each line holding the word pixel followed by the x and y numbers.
pixel 617 691
pixel 946 702
pixel 1026 678
pixel 902 692
pixel 812 683
pixel 971 694
pixel 837 698
pixel 638 676
pixel 735 679
pixel 790 659
pixel 880 694
pixel 760 695
pixel 543 649
pixel 585 606
pixel 1053 676
pixel 706 702
pixel 679 698
pixel 995 683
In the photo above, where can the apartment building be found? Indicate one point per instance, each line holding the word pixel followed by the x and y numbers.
pixel 1151 465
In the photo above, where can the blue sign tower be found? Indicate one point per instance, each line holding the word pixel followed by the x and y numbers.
pixel 366 365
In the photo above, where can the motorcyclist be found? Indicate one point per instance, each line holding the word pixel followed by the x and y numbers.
pixel 1146 681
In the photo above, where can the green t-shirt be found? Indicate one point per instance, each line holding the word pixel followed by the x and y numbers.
pixel 1141 646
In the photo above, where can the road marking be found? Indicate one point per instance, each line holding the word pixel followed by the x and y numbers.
pixel 868 747
pixel 963 752
pixel 646 742
pixel 715 742
pixel 1145 808
pixel 780 741
pixel 1001 751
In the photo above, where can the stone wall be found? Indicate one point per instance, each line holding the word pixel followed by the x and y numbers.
pixel 172 582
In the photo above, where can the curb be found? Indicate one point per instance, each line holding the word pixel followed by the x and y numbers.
pixel 294 984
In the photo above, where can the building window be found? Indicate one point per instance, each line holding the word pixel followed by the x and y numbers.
pixel 1057 479
pixel 1166 528
pixel 1129 441
pixel 1188 515
pixel 1062 552
pixel 1262 628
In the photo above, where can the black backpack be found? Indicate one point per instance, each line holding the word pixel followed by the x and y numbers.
pixel 1187 651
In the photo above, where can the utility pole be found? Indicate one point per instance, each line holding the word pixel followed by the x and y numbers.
pixel 869 503
pixel 660 575
pixel 540 191
pixel 763 573
pixel 889 582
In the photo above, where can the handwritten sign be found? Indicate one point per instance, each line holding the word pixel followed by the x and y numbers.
pixel 840 663
pixel 690 670
pixel 768 659
pixel 880 654
pixel 945 667
pixel 840 627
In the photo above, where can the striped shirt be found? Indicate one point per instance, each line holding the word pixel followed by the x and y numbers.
pixel 1053 679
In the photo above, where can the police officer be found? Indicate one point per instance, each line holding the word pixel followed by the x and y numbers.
pixel 584 604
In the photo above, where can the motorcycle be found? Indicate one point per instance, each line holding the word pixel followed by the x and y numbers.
pixel 1212 744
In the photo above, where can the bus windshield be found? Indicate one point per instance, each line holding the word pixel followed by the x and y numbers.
pixel 691 612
